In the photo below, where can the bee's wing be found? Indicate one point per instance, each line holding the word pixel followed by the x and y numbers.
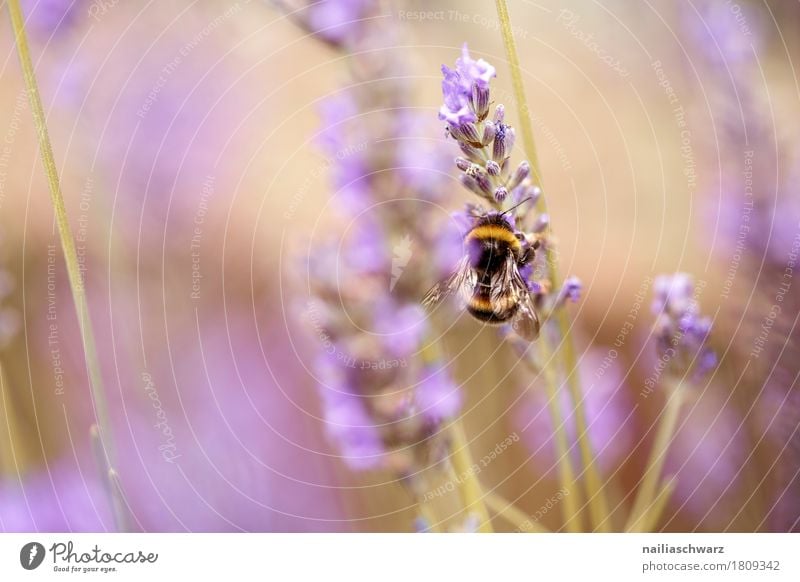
pixel 525 322
pixel 462 280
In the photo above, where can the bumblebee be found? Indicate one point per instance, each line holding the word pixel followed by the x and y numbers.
pixel 487 278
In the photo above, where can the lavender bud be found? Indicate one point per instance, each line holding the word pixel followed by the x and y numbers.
pixel 482 178
pixel 541 224
pixel 489 131
pixel 493 168
pixel 480 100
pixel 499 114
pixel 534 193
pixel 499 148
pixel 500 194
pixel 463 164
pixel 522 172
pixel 680 330
pixel 466 132
pixel 471 184
pixel 570 291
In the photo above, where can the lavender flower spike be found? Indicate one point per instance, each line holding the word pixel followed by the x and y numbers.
pixel 681 333
pixel 386 397
pixel 466 90
pixel 487 172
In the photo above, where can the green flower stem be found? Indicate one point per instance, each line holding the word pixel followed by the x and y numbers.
pixel 566 474
pixel 645 501
pixel 598 504
pixel 464 468
pixel 653 517
pixel 67 246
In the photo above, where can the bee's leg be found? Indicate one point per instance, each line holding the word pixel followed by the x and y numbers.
pixel 527 255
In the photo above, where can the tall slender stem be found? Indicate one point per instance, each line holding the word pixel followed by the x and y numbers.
pixel 463 465
pixel 651 519
pixel 67 241
pixel 566 473
pixel 646 494
pixel 598 505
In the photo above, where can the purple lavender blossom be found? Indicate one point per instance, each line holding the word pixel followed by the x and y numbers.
pixel 466 90
pixel 681 333
pixel 62 498
pixel 438 397
pixel 348 420
pixel 52 16
pixel 486 146
pixel 338 21
pixel 570 291
pixel 384 403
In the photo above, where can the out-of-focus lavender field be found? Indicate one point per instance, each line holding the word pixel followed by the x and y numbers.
pixel 261 194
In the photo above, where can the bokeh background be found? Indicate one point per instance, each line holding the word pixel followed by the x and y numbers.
pixel 187 136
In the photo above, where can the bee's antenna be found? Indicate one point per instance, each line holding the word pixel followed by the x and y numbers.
pixel 516 206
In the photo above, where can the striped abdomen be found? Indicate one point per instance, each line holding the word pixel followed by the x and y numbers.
pixel 483 307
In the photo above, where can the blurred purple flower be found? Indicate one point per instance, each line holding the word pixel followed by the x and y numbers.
pixel 348 420
pixel 437 396
pixel 338 21
pixel 386 166
pixel 571 291
pixel 681 333
pixel 52 16
pixel 402 326
pixel 63 497
pixel 213 439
